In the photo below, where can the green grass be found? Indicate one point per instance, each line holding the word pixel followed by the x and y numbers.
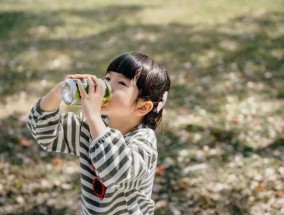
pixel 221 141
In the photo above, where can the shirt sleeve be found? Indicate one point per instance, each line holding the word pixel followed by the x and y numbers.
pixel 121 163
pixel 54 131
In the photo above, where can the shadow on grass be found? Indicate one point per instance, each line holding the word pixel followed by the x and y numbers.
pixel 14 147
pixel 229 143
pixel 9 21
pixel 20 21
pixel 29 174
pixel 16 33
pixel 193 198
pixel 46 211
pixel 275 149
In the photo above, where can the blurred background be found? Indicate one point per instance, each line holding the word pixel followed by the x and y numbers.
pixel 221 142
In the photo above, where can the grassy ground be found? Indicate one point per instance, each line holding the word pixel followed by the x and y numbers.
pixel 221 142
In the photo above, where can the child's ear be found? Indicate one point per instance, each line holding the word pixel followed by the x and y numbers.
pixel 143 107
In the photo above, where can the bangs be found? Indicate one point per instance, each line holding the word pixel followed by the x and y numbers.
pixel 126 65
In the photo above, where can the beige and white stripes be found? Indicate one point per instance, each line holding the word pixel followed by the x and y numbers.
pixel 124 164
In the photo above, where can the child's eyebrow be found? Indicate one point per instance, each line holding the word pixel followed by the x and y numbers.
pixel 119 74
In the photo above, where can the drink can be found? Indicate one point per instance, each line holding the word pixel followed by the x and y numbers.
pixel 70 93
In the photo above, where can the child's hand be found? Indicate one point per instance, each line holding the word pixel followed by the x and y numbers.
pixel 92 101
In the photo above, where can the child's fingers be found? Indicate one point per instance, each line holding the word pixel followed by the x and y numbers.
pixel 100 86
pixel 69 76
pixel 82 91
pixel 77 76
pixel 92 85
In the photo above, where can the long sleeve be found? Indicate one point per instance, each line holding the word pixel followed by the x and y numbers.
pixel 124 162
pixel 54 131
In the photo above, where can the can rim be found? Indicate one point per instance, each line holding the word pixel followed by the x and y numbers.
pixel 73 88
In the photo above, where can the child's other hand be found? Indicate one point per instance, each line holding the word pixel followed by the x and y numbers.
pixel 52 100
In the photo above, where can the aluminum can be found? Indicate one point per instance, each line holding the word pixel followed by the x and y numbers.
pixel 70 93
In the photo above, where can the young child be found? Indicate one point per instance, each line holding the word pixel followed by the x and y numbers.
pixel 118 156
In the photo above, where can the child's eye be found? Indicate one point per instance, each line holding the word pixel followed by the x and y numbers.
pixel 122 83
pixel 107 78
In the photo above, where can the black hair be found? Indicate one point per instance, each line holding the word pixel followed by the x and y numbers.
pixel 152 81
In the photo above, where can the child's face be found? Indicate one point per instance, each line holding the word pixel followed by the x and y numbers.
pixel 124 96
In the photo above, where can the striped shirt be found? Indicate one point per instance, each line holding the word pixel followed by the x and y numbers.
pixel 123 165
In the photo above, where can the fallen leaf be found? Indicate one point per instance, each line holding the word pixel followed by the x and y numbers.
pixel 235 121
pixel 57 161
pixel 279 194
pixel 260 188
pixel 190 78
pixel 25 142
pixel 183 185
pixel 160 170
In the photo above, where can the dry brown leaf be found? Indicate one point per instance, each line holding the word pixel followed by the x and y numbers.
pixel 25 142
pixel 160 170
pixel 57 161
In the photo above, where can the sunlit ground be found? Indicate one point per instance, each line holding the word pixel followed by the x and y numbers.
pixel 221 140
